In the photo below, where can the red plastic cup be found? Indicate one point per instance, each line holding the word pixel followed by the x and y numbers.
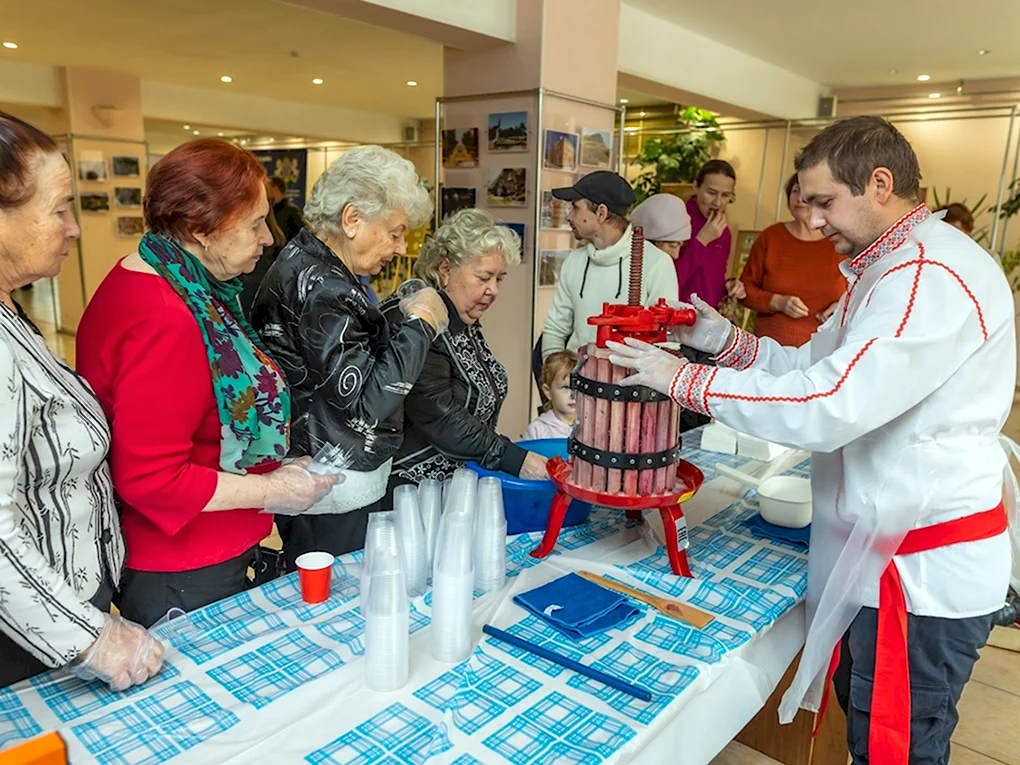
pixel 314 571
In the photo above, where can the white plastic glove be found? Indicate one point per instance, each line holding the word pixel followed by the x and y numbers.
pixel 423 302
pixel 711 333
pixel 291 489
pixel 653 367
pixel 123 655
pixel 534 468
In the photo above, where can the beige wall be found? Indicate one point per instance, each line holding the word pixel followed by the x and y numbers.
pixel 966 156
pixel 102 112
pixel 551 38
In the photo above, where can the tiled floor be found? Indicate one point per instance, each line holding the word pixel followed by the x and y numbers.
pixel 989 728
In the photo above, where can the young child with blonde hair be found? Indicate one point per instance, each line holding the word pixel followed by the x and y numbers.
pixel 557 418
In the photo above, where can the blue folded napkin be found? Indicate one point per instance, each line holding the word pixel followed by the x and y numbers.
pixel 761 529
pixel 576 607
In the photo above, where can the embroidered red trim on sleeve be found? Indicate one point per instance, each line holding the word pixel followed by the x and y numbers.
pixel 742 353
pixel 690 387
pixel 920 263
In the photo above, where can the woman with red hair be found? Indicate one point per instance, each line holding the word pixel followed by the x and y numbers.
pixel 200 413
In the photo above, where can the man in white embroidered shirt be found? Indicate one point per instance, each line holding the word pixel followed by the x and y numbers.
pixel 901 396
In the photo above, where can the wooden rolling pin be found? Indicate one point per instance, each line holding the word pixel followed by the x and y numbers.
pixel 673 608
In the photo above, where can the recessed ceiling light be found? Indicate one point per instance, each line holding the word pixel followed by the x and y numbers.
pixel 934 95
pixel 923 77
pixel 624 100
pixel 642 114
pixel 11 45
pixel 270 140
pixel 187 127
pixel 412 83
pixel 982 52
pixel 220 134
pixel 196 132
pixel 226 78
pixel 317 81
pixel 894 71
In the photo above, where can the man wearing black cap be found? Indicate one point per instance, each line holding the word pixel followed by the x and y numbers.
pixel 599 272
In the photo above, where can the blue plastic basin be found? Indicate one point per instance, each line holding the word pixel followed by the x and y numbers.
pixel 527 502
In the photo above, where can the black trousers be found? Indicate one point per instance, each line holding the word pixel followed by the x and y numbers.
pixel 17 664
pixel 941 654
pixel 336 534
pixel 146 596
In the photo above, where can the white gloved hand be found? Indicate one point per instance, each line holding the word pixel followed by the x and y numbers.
pixel 711 333
pixel 291 489
pixel 123 655
pixel 427 305
pixel 653 367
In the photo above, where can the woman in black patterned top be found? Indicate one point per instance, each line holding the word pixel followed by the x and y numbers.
pixel 451 412
pixel 60 543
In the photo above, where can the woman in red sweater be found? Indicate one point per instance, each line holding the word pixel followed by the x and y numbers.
pixel 199 412
pixel 792 277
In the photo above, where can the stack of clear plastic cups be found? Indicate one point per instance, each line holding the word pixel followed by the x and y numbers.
pixel 462 494
pixel 385 607
pixel 453 580
pixel 490 536
pixel 430 502
pixel 411 535
pixel 378 523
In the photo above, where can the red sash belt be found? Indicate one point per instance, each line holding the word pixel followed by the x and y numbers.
pixel 889 727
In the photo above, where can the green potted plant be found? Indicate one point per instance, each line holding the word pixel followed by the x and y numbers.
pixel 677 158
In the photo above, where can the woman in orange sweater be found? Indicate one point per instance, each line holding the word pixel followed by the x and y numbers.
pixel 792 276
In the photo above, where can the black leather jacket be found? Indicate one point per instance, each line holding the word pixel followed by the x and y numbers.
pixel 451 412
pixel 349 369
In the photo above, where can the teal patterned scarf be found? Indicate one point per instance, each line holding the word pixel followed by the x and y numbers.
pixel 251 393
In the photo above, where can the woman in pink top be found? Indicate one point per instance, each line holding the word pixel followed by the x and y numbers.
pixel 701 266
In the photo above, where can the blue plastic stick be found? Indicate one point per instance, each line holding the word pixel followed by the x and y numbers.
pixel 563 661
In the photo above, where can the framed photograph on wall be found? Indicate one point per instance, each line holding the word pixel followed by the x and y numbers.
pixel 506 187
pixel 560 152
pixel 508 131
pixel 127 166
pixel 745 240
pixel 454 199
pixel 549 264
pixel 132 225
pixel 519 229
pixel 128 197
pixel 596 148
pixel 92 169
pixel 554 212
pixel 460 148
pixel 94 201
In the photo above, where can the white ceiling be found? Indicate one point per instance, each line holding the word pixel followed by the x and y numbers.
pixel 195 42
pixel 859 43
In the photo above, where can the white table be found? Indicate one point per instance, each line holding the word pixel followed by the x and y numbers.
pixel 263 674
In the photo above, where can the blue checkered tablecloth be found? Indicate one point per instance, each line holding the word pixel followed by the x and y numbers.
pixel 264 673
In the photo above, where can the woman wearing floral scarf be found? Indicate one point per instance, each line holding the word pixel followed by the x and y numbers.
pixel 200 413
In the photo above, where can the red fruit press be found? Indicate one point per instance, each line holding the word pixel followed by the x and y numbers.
pixel 625 446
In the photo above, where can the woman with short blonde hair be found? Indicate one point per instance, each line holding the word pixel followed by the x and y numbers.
pixel 451 413
pixel 349 368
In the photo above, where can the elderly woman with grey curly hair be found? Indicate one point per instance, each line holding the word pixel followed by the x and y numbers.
pixel 450 414
pixel 348 367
